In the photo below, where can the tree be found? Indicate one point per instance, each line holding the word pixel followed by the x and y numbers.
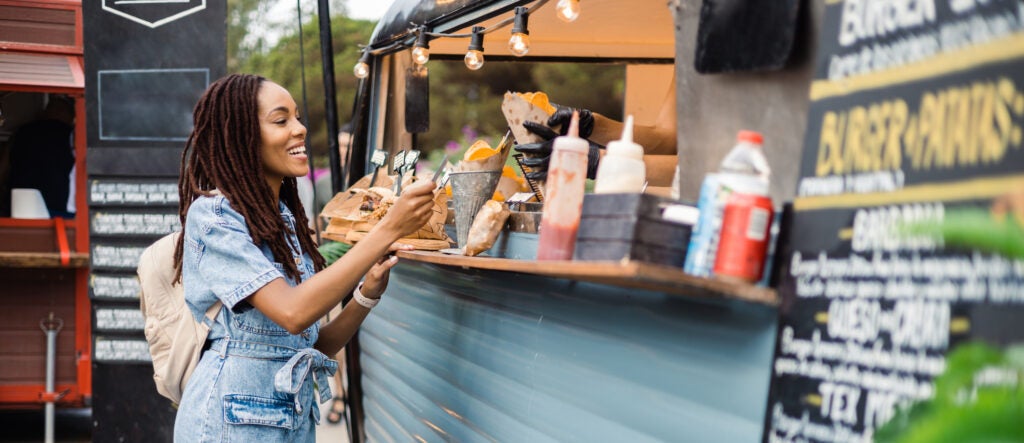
pixel 286 64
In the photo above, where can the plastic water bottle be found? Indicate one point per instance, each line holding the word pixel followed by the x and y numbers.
pixel 744 172
pixel 622 169
pixel 746 160
pixel 563 200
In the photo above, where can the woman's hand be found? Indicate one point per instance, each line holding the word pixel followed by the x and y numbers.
pixel 411 210
pixel 377 277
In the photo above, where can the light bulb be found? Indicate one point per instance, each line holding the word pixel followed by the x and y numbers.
pixel 475 53
pixel 474 59
pixel 519 44
pixel 421 50
pixel 361 70
pixel 420 55
pixel 568 10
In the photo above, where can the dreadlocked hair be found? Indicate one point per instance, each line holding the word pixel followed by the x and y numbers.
pixel 223 154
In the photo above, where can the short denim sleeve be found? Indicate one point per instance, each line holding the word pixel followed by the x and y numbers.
pixel 227 262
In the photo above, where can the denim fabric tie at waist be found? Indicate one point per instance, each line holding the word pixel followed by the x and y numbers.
pixel 290 378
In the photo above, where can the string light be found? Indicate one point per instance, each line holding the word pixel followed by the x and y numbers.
pixel 567 10
pixel 421 50
pixel 519 44
pixel 475 53
pixel 362 69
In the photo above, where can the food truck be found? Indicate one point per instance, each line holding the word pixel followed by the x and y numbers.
pixel 44 260
pixel 858 318
pixel 471 348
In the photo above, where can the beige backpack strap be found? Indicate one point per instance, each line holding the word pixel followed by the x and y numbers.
pixel 211 314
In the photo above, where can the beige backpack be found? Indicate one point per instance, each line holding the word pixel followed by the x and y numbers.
pixel 175 338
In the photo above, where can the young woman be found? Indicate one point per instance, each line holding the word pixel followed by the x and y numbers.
pixel 247 244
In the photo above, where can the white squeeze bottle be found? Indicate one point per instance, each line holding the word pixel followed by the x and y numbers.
pixel 622 168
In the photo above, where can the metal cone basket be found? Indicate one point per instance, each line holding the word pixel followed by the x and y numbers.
pixel 470 190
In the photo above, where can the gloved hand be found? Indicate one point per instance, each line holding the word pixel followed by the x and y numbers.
pixel 560 119
pixel 538 155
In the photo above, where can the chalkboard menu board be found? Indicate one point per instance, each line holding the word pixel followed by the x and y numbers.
pixel 147 63
pixel 916 114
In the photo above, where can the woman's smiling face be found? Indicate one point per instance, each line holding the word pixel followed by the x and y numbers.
pixel 282 135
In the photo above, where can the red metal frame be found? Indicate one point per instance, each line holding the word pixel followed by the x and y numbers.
pixel 19 396
pixel 83 308
pixel 79 393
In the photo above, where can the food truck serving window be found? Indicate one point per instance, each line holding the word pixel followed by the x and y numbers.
pixel 466 104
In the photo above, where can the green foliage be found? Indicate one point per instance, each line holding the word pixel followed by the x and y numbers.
pixel 284 62
pixel 240 14
pixel 973 229
pixel 597 87
pixel 980 398
pixel 332 250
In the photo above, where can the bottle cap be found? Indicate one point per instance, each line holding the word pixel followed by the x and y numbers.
pixel 625 146
pixel 750 137
pixel 571 140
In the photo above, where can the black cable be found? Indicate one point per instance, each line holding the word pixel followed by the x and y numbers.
pixel 305 118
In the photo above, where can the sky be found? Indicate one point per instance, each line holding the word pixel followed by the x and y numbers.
pixel 284 12
pixel 367 9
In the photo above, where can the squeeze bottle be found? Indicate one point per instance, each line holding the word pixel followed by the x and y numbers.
pixel 622 168
pixel 563 201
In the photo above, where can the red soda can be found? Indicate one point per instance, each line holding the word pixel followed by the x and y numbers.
pixel 746 224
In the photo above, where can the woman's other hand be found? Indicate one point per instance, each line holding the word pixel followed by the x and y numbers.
pixel 377 277
pixel 411 210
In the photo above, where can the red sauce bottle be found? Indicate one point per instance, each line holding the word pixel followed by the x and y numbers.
pixel 563 195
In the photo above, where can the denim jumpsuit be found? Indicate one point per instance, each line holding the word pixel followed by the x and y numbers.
pixel 256 382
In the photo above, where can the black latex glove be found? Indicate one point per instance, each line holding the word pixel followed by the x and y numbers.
pixel 538 155
pixel 560 119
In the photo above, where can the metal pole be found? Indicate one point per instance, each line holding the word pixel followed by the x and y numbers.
pixel 355 425
pixel 50 327
pixel 330 104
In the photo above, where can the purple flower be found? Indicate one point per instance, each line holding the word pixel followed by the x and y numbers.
pixel 468 132
pixel 451 146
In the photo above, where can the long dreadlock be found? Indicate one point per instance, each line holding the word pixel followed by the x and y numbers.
pixel 223 153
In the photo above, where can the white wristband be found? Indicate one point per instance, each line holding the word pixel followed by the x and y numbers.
pixel 363 300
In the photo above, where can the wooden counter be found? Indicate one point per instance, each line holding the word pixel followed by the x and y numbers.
pixel 41 260
pixel 630 274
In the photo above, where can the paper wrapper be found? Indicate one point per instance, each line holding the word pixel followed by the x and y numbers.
pixel 348 224
pixel 487 224
pixel 508 187
pixel 517 110
pixel 494 162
